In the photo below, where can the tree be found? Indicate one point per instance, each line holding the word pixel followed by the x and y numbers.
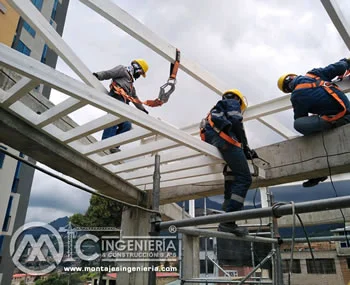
pixel 101 213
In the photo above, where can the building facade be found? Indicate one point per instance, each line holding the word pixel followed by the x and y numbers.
pixel 15 177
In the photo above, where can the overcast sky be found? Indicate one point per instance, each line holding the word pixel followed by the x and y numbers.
pixel 246 44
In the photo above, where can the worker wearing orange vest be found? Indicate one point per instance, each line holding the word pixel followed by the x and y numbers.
pixel 314 93
pixel 122 89
pixel 223 128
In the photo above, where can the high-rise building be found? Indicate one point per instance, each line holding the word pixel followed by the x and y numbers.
pixel 15 177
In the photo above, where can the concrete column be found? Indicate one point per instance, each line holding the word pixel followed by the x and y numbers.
pixel 135 222
pixel 191 268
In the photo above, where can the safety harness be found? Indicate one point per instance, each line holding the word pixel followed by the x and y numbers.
pixel 163 96
pixel 220 133
pixel 327 86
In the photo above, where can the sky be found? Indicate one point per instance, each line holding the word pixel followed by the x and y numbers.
pixel 246 44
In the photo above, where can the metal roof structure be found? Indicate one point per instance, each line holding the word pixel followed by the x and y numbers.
pixel 185 159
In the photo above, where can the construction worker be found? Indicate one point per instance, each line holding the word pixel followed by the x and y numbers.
pixel 223 128
pixel 315 93
pixel 122 86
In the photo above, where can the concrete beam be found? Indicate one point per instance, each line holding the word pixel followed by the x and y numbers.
pixel 46 150
pixel 293 160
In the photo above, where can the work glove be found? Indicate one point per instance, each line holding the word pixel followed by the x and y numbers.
pixel 250 153
pixel 96 75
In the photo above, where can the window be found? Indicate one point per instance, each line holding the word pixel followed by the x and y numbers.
pixel 43 56
pixel 348 262
pixel 21 47
pixel 295 267
pixel 54 10
pixel 321 266
pixel 29 29
pixel 210 267
pixel 2 158
pixel 38 4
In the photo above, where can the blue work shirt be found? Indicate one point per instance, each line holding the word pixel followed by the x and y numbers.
pixel 227 117
pixel 318 100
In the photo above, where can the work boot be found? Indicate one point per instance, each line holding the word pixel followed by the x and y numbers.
pixel 225 204
pixel 231 227
pixel 114 150
pixel 314 181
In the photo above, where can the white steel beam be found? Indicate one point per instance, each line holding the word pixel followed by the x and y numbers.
pixel 171 167
pixel 156 146
pixel 17 91
pixel 215 178
pixel 277 127
pixel 134 134
pixel 41 25
pixel 338 20
pixel 33 69
pixel 177 154
pixel 62 109
pixel 181 174
pixel 91 127
pixel 133 27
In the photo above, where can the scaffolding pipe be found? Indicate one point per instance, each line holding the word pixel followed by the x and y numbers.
pixel 270 255
pixel 316 239
pixel 202 280
pixel 207 233
pixel 283 210
pixel 152 278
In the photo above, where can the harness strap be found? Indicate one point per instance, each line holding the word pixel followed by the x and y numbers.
pixel 174 67
pixel 327 86
pixel 120 91
pixel 222 134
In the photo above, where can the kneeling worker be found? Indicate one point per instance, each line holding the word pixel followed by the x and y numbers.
pixel 315 93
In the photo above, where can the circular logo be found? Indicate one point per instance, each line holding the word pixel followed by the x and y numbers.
pixel 42 249
pixel 172 229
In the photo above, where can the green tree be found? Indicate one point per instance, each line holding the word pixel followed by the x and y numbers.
pixel 101 213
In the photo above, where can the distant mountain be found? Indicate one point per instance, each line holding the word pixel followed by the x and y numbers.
pixel 60 222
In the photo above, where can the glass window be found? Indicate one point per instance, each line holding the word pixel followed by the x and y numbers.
pixel 295 267
pixel 43 56
pixel 21 47
pixel 54 10
pixel 2 157
pixel 321 266
pixel 30 30
pixel 38 4
pixel 210 267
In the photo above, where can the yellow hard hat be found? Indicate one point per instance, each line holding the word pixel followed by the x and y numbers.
pixel 143 64
pixel 280 82
pixel 244 104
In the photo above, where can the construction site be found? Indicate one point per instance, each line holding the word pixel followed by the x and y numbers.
pixel 162 173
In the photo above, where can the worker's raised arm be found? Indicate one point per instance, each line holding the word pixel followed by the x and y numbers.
pixel 116 72
pixel 329 72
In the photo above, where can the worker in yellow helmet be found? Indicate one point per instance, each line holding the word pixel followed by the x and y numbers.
pixel 123 78
pixel 223 128
pixel 314 93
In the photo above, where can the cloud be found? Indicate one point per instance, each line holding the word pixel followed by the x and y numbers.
pixel 51 198
pixel 245 44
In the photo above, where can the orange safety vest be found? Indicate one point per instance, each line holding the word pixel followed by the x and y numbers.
pixel 327 86
pixel 221 133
